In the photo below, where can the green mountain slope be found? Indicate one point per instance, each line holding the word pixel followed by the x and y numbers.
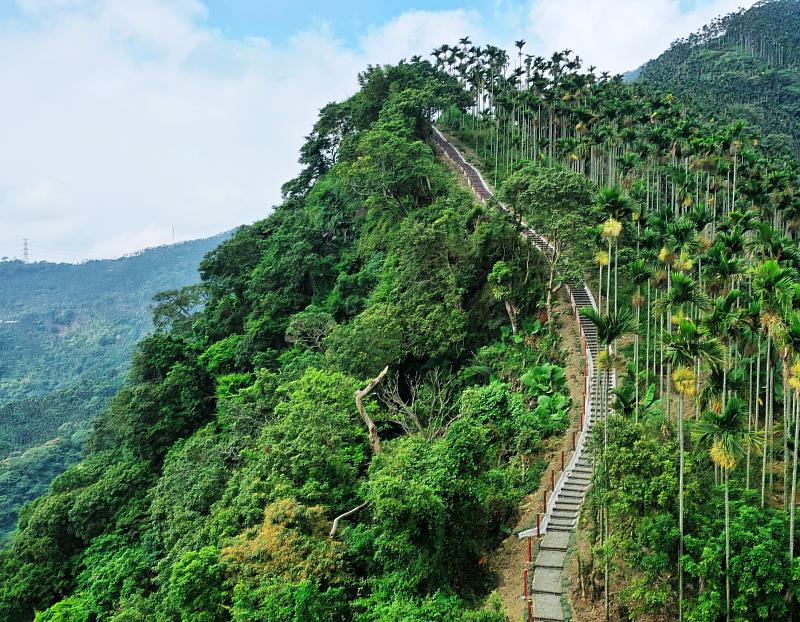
pixel 212 481
pixel 236 477
pixel 66 336
pixel 59 322
pixel 745 66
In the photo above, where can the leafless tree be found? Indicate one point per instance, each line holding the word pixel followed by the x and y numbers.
pixel 421 403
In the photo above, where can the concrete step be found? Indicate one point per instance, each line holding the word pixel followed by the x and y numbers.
pixel 554 542
pixel 579 478
pixel 550 559
pixel 567 503
pixel 547 581
pixel 577 482
pixel 558 523
pixel 547 608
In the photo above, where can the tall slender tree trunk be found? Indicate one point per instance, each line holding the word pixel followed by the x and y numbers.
pixel 680 507
pixel 792 501
pixel 636 360
pixel 766 431
pixel 606 565
pixel 608 277
pixel 727 548
pixel 616 272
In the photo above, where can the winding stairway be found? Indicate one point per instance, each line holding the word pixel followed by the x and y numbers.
pixel 545 591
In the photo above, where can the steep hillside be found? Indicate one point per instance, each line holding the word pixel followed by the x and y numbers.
pixel 692 510
pixel 349 425
pixel 213 482
pixel 745 66
pixel 67 332
pixel 59 322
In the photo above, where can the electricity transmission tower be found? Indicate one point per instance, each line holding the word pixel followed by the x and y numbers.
pixel 25 251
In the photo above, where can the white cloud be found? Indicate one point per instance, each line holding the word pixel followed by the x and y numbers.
pixel 419 32
pixel 121 120
pixel 619 35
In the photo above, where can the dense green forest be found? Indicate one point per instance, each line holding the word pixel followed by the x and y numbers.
pixel 211 484
pixel 346 427
pixel 692 511
pixel 67 332
pixel 744 66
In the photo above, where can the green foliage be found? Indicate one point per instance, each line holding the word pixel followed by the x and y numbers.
pixel 72 609
pixel 381 328
pixel 744 66
pixel 67 332
pixel 222 356
pixel 210 484
pixel 175 310
pixel 553 201
pixel 195 589
pixel 26 476
pixel 499 280
pixel 552 413
pixel 309 328
pixel 436 608
pixel 545 379
pixel 230 384
pixel 760 575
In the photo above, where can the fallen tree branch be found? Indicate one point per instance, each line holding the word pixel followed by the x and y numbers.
pixel 345 515
pixel 372 430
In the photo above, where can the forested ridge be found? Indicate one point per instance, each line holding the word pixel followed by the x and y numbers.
pixel 211 484
pixel 692 510
pixel 67 332
pixel 348 425
pixel 743 66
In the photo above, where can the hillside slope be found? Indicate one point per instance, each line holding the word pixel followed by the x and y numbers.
pixel 66 336
pixel 212 482
pixel 347 428
pixel 745 66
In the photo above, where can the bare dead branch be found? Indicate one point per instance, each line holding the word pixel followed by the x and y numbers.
pixel 336 520
pixel 422 404
pixel 372 430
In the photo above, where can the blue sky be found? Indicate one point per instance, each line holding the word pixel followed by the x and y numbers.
pixel 122 119
pixel 277 19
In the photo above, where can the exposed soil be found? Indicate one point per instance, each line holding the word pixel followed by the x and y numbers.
pixel 509 560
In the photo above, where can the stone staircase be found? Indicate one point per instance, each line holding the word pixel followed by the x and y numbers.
pixel 544 592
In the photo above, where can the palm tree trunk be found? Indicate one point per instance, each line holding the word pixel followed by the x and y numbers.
pixel 636 360
pixel 766 432
pixel 608 277
pixel 786 428
pixel 794 475
pixel 647 336
pixel 680 508
pixel 727 549
pixel 616 272
pixel 606 573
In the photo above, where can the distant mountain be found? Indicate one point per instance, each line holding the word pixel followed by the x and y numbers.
pixel 66 336
pixel 746 66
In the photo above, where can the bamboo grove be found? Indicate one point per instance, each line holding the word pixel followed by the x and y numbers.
pixel 696 258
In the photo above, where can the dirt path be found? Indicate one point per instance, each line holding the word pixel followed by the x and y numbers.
pixel 508 561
